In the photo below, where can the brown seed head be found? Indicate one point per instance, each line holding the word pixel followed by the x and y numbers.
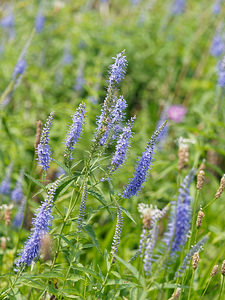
pixel 201 167
pixel 200 179
pixel 199 219
pixel 221 187
pixel 223 268
pixel 183 154
pixel 147 221
pixel 46 247
pixel 176 294
pixel 38 134
pixel 3 243
pixel 195 260
pixel 7 216
pixel 214 271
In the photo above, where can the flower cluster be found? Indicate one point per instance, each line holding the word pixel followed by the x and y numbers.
pixel 75 130
pixel 39 22
pixel 179 223
pixel 217 46
pixel 118 69
pixel 178 7
pixel 196 248
pixel 6 182
pixel 43 149
pixel 41 225
pixel 122 146
pixel 82 207
pixel 143 166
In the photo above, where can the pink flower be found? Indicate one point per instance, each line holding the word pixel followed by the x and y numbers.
pixel 176 113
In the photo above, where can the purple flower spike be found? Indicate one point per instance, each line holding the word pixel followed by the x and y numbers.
pixel 118 69
pixel 41 225
pixel 217 46
pixel 178 7
pixel 43 149
pixel 122 146
pixel 75 129
pixel 39 22
pixel 143 166
pixel 176 113
pixel 7 21
pixel 19 68
pixel 180 218
pixel 221 74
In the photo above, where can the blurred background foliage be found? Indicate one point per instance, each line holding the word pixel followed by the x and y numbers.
pixel 169 63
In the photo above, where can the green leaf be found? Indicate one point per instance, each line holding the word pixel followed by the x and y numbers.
pixel 87 271
pixel 88 228
pixel 128 214
pixel 37 182
pixel 132 269
pixel 64 167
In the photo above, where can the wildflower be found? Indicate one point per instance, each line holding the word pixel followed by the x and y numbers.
pixel 79 81
pixel 19 68
pixel 43 149
pixel 151 238
pixel 38 133
pixel 164 133
pixel 117 234
pixel 202 166
pixel 122 146
pixel 118 69
pixel 6 182
pixel 7 21
pixel 39 22
pixel 75 130
pixel 179 223
pixel 114 118
pixel 18 219
pixel 111 104
pixel 67 57
pixel 178 7
pixel 223 268
pixel 196 248
pixel 195 260
pixel 214 271
pixel 221 74
pixel 143 166
pixel 221 187
pixel 41 225
pixel 82 207
pixel 176 113
pixel 217 46
pixel 200 179
pixel 216 8
pixel 17 193
pixel 199 219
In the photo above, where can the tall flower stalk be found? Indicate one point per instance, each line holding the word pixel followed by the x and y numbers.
pixel 74 132
pixel 41 225
pixel 143 166
pixel 43 148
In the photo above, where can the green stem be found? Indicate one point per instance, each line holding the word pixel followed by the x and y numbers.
pixel 221 288
pixel 206 288
pixel 191 283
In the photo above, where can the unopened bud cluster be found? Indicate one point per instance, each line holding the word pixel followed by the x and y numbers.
pixel 183 155
pixel 221 187
pixel 200 179
pixel 195 260
pixel 199 219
